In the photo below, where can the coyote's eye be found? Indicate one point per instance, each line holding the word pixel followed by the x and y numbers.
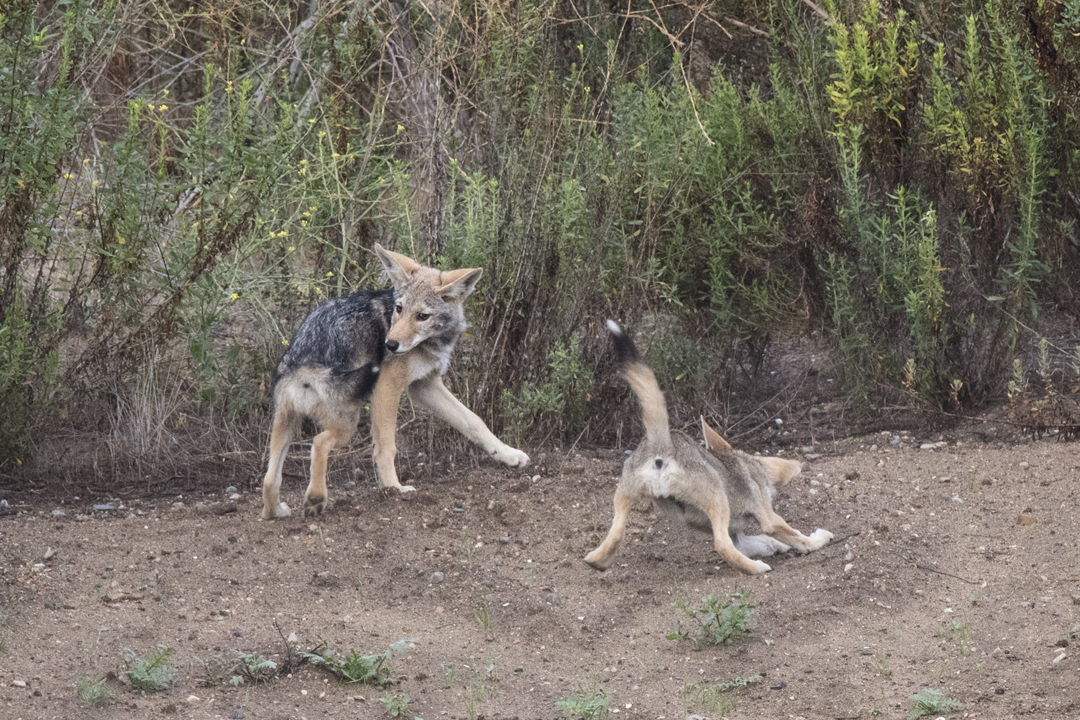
pixel 397 308
pixel 422 316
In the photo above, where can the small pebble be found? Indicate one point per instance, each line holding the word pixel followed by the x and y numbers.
pixel 847 568
pixel 437 577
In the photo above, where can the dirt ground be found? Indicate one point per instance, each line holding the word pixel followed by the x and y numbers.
pixel 955 568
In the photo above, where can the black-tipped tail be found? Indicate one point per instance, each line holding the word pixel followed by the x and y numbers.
pixel 625 350
pixel 643 383
pixel 360 382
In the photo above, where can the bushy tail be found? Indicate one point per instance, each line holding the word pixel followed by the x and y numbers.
pixel 643 383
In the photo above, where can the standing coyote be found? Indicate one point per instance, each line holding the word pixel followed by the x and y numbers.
pixel 338 357
pixel 713 488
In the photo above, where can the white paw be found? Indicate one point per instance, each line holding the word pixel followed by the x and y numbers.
pixel 820 538
pixel 281 511
pixel 761 567
pixel 406 489
pixel 510 456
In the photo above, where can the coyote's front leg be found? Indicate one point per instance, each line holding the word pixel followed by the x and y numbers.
pixel 432 394
pixel 384 411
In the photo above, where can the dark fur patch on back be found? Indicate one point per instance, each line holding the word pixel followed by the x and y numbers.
pixel 345 335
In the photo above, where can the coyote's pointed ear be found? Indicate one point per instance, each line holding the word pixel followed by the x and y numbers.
pixel 398 267
pixel 713 442
pixel 782 470
pixel 458 284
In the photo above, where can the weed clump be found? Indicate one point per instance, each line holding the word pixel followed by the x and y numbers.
pixel 150 674
pixel 932 702
pixel 357 668
pixel 396 706
pixel 93 694
pixel 719 623
pixel 242 668
pixel 587 704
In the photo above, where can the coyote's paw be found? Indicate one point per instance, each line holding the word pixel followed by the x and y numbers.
pixel 596 561
pixel 314 505
pixel 759 568
pixel 820 538
pixel 510 456
pixel 397 486
pixel 281 511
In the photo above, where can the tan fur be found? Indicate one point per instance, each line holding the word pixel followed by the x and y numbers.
pixel 305 394
pixel 713 488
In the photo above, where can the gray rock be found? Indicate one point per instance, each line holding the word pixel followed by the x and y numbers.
pixel 437 577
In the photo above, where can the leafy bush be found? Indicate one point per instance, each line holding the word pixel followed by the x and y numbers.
pixel 175 212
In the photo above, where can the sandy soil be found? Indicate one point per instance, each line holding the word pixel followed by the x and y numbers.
pixel 955 568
